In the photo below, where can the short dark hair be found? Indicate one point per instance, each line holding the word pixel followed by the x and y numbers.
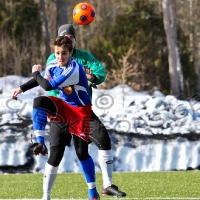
pixel 62 41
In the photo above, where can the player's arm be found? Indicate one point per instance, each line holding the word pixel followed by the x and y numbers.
pixel 98 70
pixel 69 76
pixel 24 87
pixel 43 82
pixel 29 85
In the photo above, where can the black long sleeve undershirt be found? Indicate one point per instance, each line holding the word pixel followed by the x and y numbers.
pixel 44 83
pixel 29 85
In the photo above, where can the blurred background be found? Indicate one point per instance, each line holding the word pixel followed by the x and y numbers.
pixel 151 52
pixel 142 43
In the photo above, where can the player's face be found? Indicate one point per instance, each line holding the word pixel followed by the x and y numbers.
pixel 72 39
pixel 62 55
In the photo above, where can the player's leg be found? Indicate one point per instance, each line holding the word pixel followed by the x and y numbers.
pixel 51 169
pixel 99 135
pixel 41 107
pixel 87 166
pixel 44 107
pixel 59 138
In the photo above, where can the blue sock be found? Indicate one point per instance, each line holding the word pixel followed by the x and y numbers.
pixel 39 119
pixel 88 169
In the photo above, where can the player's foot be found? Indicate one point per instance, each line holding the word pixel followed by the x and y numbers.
pixel 113 191
pixel 46 197
pixel 96 198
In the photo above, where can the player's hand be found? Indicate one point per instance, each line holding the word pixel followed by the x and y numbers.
pixel 36 68
pixel 89 74
pixel 91 85
pixel 39 148
pixel 16 92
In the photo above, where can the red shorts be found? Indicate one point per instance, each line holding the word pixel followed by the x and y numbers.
pixel 77 118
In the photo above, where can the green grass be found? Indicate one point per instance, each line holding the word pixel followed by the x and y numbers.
pixel 176 184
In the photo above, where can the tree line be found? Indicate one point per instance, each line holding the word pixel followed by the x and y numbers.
pixel 142 43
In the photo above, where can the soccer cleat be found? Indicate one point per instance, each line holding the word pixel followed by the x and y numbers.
pixel 96 198
pixel 113 191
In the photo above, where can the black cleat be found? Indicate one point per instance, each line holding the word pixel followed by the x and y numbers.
pixel 113 191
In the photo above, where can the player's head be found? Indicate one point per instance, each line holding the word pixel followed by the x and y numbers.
pixel 63 49
pixel 68 31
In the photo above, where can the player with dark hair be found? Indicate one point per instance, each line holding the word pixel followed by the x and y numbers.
pixel 72 108
pixel 96 74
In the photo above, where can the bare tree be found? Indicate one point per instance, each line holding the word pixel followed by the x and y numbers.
pixel 45 28
pixel 175 68
pixel 194 34
pixel 61 16
pixel 124 71
pixel 198 53
pixel 173 14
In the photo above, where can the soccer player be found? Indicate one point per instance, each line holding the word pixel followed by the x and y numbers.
pixel 72 108
pixel 96 74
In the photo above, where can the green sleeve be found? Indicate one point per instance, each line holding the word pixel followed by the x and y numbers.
pixel 86 59
pixel 50 58
pixel 97 69
pixel 54 93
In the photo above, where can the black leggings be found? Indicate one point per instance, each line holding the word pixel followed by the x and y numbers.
pixel 60 136
pixel 57 152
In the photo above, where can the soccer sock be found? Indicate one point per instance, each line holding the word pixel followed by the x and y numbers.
pixel 39 119
pixel 50 174
pixel 88 169
pixel 106 164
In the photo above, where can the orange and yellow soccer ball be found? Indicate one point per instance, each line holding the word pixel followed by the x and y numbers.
pixel 84 13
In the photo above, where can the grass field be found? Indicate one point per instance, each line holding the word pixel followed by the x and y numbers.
pixel 146 185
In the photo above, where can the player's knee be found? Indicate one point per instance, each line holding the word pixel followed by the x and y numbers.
pixel 46 104
pixel 103 141
pixel 105 146
pixel 82 154
pixel 100 137
pixel 56 155
pixel 38 101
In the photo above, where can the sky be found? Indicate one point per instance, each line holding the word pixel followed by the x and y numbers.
pixel 159 123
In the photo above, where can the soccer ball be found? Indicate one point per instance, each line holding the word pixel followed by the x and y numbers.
pixel 84 13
